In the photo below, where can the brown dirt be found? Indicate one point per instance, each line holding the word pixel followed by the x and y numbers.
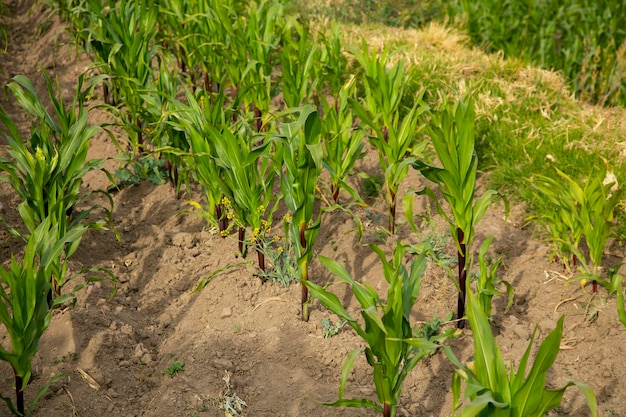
pixel 115 351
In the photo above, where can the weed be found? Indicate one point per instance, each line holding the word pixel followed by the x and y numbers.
pixel 610 411
pixel 380 235
pixel 371 186
pixel 174 368
pixel 331 329
pixel 431 328
pixel 139 170
pixel 71 356
pixel 282 265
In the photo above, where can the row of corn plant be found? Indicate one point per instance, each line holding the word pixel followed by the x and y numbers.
pixel 24 308
pixel 46 170
pixel 392 128
pixel 121 37
pixel 577 212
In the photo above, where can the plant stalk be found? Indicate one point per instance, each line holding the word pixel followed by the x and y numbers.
pixel 105 93
pixel 335 190
pixel 19 394
pixel 242 242
pixel 261 258
pixel 392 211
pixel 462 257
pixel 140 135
pixel 222 221
pixel 387 410
pixel 305 291
pixel 258 118
pixel 207 83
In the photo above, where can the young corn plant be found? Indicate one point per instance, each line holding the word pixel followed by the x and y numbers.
pixel 123 41
pixel 161 110
pixel 264 30
pixel 343 145
pixel 558 216
pixel 394 134
pixel 194 120
pixel 452 135
pixel 175 30
pixel 211 36
pixel 300 150
pixel 392 350
pixel 595 202
pixel 46 170
pixel 487 281
pixel 583 210
pixel 299 60
pixel 24 309
pixel 334 64
pixel 491 391
pixel 248 178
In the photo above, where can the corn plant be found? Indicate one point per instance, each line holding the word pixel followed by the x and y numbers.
pixel 343 145
pixel 615 286
pixel 174 30
pixel 299 60
pixel 596 203
pixel 46 170
pixel 586 210
pixel 248 178
pixel 493 392
pixel 333 62
pixel 211 36
pixel 75 14
pixel 194 120
pixel 391 350
pixel 487 281
pixel 558 217
pixel 122 38
pixel 452 134
pixel 160 99
pixel 300 150
pixel 24 308
pixel 394 135
pixel 263 31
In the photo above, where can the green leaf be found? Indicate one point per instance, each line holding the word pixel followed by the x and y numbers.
pixel 329 300
pixel 356 403
pixel 529 394
pixel 367 298
pixel 481 402
pixel 346 369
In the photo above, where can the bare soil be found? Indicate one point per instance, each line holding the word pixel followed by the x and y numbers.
pixel 116 351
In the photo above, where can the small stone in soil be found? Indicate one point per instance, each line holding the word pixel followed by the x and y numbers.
pixel 223 363
pixel 227 312
pixel 521 332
